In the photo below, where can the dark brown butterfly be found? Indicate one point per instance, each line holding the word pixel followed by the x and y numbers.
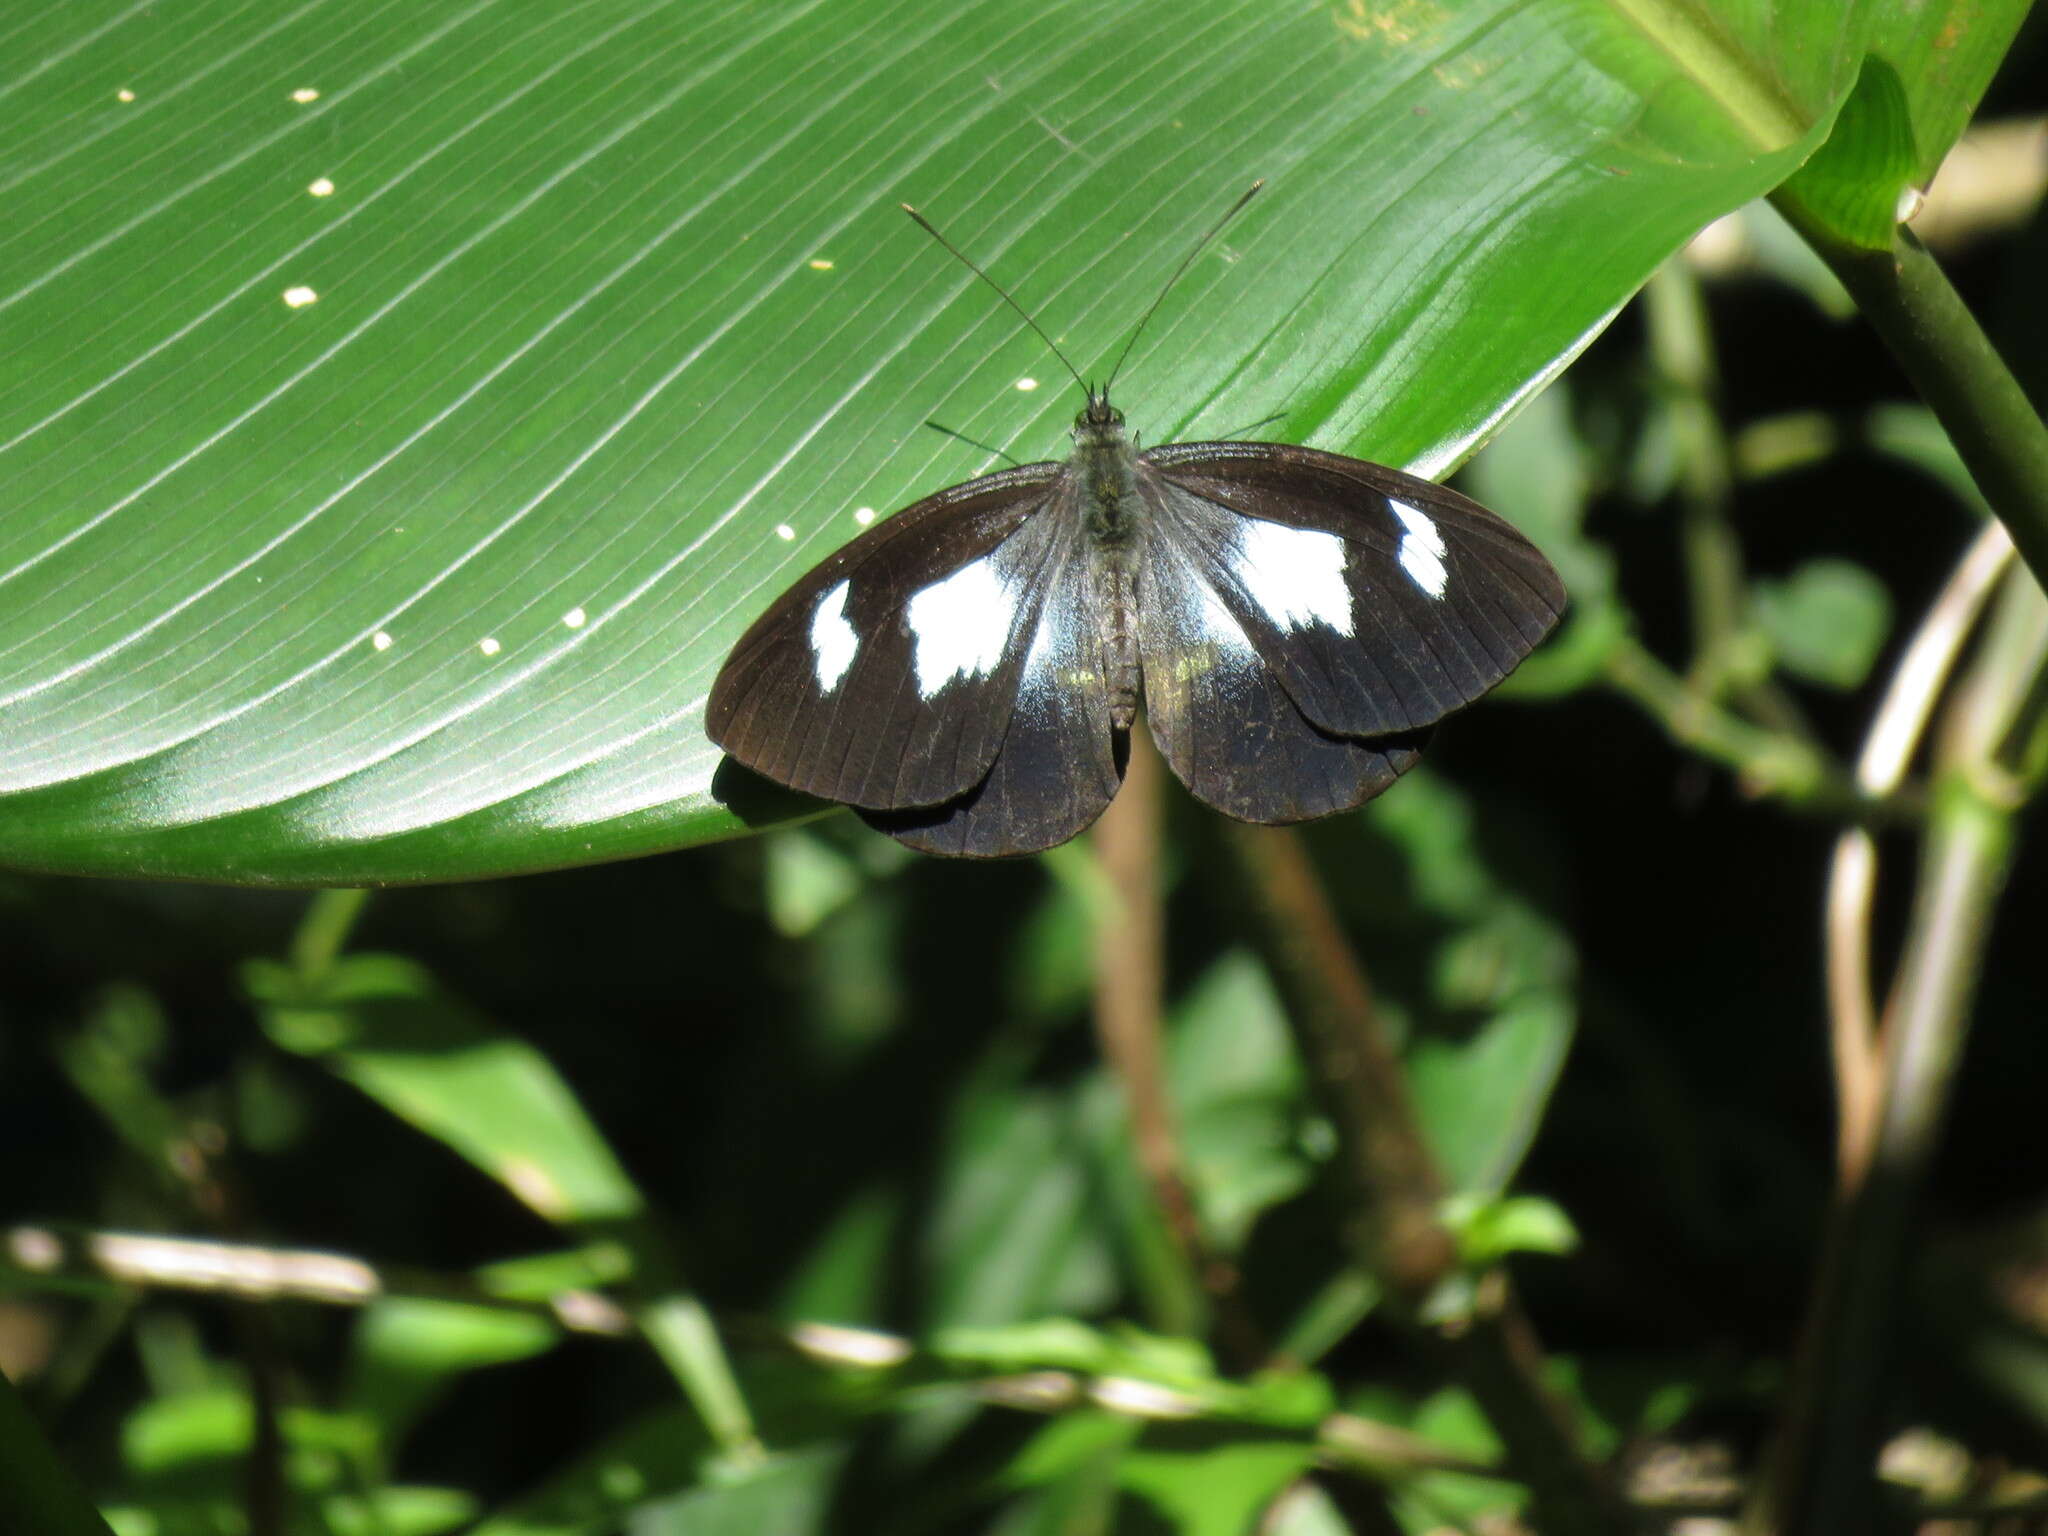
pixel 1292 622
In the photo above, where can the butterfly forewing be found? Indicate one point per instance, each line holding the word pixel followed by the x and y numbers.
pixel 1301 621
pixel 1222 719
pixel 886 677
pixel 1381 602
pixel 1057 766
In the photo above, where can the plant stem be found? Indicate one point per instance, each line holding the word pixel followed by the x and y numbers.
pixel 1820 1472
pixel 1355 1066
pixel 74 1260
pixel 1394 1184
pixel 1909 301
pixel 1681 347
pixel 324 931
pixel 1130 962
pixel 1895 734
pixel 1681 344
pixel 1770 762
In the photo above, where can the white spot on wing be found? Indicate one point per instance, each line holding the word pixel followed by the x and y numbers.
pixel 1295 574
pixel 1422 549
pixel 1039 674
pixel 1214 627
pixel 960 625
pixel 833 641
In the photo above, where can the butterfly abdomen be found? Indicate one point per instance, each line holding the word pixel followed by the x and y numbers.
pixel 1114 569
pixel 1106 468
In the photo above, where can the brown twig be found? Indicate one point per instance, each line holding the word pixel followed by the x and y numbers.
pixel 71 1257
pixel 1395 1187
pixel 1820 1473
pixel 1895 734
pixel 263 1486
pixel 1130 961
pixel 1354 1064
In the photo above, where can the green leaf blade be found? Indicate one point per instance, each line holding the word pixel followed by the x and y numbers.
pixel 426 576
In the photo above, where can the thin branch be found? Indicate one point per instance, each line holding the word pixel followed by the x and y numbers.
pixel 1130 962
pixel 1391 1172
pixel 323 933
pixel 1768 763
pixel 1394 1187
pixel 71 1259
pixel 1681 346
pixel 1894 736
pixel 263 1485
pixel 1820 1473
pixel 253 1274
pixel 1853 1050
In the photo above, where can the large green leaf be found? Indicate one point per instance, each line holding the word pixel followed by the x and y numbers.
pixel 395 531
pixel 1924 68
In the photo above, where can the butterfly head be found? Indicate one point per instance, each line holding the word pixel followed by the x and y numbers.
pixel 1100 422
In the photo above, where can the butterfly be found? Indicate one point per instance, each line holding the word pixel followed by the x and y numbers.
pixel 966 673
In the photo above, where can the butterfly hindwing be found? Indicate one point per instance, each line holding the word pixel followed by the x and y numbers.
pixel 885 677
pixel 1381 602
pixel 1226 725
pixel 1058 764
pixel 1302 620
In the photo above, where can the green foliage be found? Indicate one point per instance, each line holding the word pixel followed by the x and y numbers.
pixel 828 1216
pixel 442 415
pixel 1488 1231
pixel 1855 180
pixel 383 1024
pixel 409 1348
pixel 1826 620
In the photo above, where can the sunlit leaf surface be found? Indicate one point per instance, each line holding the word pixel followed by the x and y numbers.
pixel 408 404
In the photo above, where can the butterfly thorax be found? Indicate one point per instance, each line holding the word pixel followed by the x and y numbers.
pixel 1105 465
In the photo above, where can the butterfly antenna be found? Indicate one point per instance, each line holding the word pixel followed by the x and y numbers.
pixel 925 224
pixel 1187 261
